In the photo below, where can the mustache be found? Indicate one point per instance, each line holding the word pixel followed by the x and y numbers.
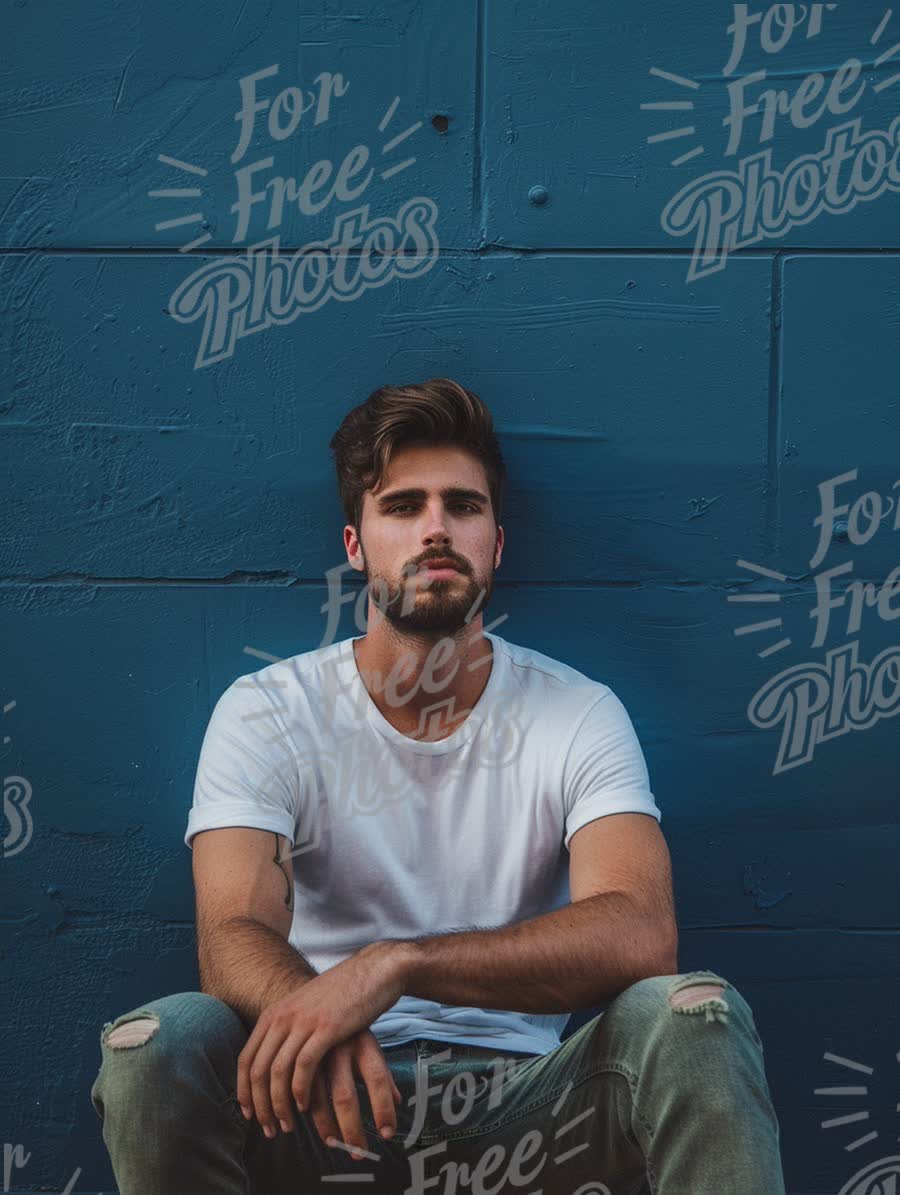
pixel 459 565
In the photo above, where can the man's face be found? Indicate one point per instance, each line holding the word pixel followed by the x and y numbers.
pixel 447 516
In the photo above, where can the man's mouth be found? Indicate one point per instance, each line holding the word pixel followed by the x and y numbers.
pixel 439 568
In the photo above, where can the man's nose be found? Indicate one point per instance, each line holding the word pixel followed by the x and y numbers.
pixel 436 524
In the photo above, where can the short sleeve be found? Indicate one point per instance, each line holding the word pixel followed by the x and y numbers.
pixel 246 774
pixel 604 770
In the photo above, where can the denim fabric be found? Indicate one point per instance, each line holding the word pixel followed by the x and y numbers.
pixel 660 1094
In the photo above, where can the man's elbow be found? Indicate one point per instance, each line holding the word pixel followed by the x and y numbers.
pixel 654 947
pixel 660 956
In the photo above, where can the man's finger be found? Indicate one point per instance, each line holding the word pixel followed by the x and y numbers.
pixel 260 1097
pixel 381 1087
pixel 345 1100
pixel 320 1109
pixel 281 1074
pixel 308 1060
pixel 245 1061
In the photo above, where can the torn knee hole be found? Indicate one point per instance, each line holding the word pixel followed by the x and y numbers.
pixel 133 1033
pixel 700 996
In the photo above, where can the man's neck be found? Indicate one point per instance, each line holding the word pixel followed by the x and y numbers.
pixel 396 670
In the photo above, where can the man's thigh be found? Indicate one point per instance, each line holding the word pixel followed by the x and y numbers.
pixel 485 1121
pixel 473 1119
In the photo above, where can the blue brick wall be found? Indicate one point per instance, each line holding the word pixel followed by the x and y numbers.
pixel 170 523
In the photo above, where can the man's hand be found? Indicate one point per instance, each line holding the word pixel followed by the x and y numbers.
pixel 335 1105
pixel 277 1065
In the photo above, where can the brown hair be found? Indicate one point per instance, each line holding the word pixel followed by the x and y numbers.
pixel 439 411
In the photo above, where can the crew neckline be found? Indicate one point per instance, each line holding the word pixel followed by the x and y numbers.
pixel 463 733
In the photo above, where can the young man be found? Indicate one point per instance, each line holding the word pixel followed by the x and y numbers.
pixel 415 853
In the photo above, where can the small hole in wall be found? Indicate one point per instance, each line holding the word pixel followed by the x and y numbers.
pixel 440 123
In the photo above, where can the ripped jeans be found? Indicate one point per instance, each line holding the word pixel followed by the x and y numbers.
pixel 664 1093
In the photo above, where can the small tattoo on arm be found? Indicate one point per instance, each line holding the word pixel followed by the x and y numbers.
pixel 277 859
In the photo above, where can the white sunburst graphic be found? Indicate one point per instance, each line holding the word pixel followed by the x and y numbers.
pixel 182 193
pixel 769 624
pixel 845 1092
pixel 674 106
pixel 195 193
pixel 887 55
pixel 391 145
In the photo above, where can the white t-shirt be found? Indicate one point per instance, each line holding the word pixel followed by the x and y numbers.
pixel 396 837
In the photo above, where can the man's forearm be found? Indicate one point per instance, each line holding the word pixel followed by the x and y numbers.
pixel 249 966
pixel 574 957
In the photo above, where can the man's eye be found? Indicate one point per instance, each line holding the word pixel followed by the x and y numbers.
pixel 408 506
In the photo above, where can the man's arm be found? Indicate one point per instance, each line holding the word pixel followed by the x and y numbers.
pixel 243 880
pixel 619 928
pixel 245 905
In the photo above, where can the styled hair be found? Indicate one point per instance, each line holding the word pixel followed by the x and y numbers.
pixel 439 411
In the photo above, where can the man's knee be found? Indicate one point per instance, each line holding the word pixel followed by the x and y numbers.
pixel 167 1067
pixel 171 1030
pixel 695 1026
pixel 181 1016
pixel 703 995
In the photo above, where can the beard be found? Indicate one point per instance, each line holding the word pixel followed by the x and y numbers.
pixel 416 605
